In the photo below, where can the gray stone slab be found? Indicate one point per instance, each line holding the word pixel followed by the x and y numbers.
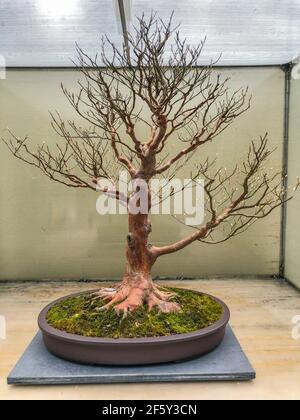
pixel 38 367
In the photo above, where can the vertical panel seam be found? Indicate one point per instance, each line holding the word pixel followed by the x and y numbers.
pixel 285 156
pixel 124 27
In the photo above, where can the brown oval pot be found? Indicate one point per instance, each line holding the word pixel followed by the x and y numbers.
pixel 132 351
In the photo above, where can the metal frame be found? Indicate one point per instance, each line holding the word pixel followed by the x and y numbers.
pixel 231 66
pixel 124 25
pixel 287 91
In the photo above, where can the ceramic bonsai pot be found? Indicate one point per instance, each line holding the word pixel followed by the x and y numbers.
pixel 132 351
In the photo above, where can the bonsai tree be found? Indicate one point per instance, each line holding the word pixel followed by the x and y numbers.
pixel 142 88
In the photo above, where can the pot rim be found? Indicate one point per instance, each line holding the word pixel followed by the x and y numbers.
pixel 75 338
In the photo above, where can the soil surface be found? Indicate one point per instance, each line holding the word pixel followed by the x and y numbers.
pixel 77 315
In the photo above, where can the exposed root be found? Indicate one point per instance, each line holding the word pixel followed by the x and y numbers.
pixel 125 298
pixel 105 294
pixel 162 294
pixel 163 306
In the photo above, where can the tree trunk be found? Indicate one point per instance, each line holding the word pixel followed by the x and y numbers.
pixel 137 287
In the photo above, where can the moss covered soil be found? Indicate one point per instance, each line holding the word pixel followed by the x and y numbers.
pixel 76 315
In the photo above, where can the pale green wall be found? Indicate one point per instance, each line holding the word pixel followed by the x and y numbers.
pixel 292 267
pixel 48 231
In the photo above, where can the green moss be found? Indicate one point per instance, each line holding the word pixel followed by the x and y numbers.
pixel 75 315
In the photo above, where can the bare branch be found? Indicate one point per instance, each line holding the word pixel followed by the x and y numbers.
pixel 235 209
pixel 135 106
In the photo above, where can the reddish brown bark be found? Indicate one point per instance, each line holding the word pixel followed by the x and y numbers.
pixel 137 287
